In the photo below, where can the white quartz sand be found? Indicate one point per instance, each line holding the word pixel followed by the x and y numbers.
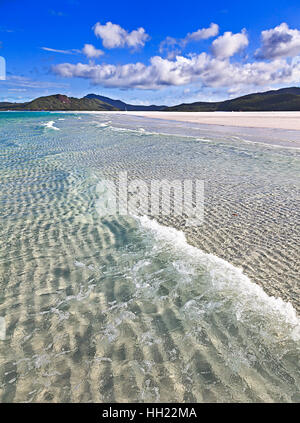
pixel 275 120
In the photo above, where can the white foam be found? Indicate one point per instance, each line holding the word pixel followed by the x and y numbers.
pixel 247 295
pixel 101 124
pixel 50 125
pixel 139 131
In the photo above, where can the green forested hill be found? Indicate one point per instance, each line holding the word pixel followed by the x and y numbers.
pixel 60 102
pixel 285 99
pixel 121 105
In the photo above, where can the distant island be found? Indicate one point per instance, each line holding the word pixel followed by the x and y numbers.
pixel 91 102
pixel 59 102
pixel 120 105
pixel 284 99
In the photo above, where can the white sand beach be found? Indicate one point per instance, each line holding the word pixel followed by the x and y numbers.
pixel 273 120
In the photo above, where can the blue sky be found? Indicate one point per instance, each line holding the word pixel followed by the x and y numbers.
pixel 162 52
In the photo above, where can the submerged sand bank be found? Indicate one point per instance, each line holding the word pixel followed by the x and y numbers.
pixel 273 120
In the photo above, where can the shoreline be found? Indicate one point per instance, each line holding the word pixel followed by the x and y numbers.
pixel 289 121
pixel 274 129
pixel 160 122
pixel 268 120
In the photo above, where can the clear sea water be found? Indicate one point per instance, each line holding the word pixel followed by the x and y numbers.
pixel 124 308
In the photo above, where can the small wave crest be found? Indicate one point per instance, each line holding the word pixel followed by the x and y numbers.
pixel 139 131
pixel 50 125
pixel 249 303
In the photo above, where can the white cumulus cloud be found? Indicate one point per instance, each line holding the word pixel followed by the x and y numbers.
pixel 214 70
pixel 172 46
pixel 114 36
pixel 203 34
pixel 229 44
pixel 280 41
pixel 91 52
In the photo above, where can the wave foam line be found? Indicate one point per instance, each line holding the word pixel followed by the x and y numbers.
pixel 225 277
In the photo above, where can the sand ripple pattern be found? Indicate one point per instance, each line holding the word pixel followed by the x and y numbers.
pixel 102 310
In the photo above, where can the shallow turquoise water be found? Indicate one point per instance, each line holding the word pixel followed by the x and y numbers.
pixel 122 308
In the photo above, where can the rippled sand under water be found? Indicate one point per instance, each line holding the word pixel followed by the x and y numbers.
pixel 125 309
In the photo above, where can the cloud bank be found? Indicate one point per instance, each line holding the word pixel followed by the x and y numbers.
pixel 215 70
pixel 202 68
